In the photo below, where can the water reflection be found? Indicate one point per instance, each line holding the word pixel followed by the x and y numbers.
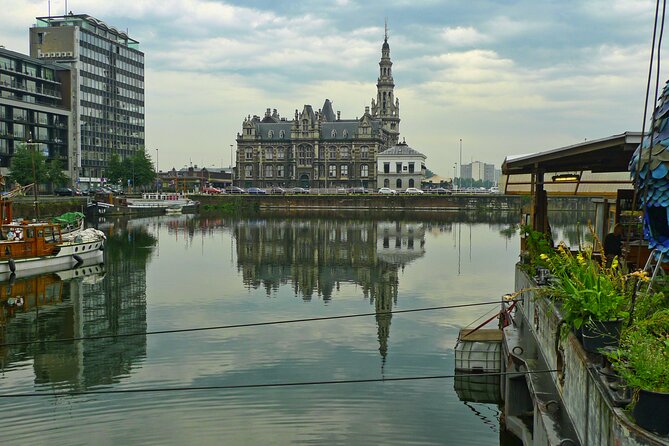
pixel 91 301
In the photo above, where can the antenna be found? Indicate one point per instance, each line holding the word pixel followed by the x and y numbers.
pixel 49 8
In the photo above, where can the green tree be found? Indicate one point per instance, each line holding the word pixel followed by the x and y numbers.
pixel 54 173
pixel 22 166
pixel 115 172
pixel 143 170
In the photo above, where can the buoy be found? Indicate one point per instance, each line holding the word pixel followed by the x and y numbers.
pixel 78 259
pixel 12 265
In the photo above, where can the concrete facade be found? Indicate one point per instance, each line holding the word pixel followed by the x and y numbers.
pixel 107 94
pixel 34 109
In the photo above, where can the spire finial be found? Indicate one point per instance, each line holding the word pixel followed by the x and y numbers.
pixel 385 36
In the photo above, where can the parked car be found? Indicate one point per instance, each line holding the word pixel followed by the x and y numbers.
pixel 277 190
pixel 64 192
pixel 441 190
pixel 413 190
pixel 298 190
pixel 234 190
pixel 256 191
pixel 211 190
pixel 387 191
pixel 358 190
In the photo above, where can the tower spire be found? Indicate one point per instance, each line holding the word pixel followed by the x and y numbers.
pixel 387 106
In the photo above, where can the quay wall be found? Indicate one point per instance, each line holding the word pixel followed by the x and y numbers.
pixel 597 421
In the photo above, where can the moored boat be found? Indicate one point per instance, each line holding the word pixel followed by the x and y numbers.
pixel 29 246
pixel 154 200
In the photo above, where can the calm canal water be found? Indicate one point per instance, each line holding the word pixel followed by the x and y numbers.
pixel 176 272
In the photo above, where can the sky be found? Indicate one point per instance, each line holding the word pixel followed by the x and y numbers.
pixel 505 77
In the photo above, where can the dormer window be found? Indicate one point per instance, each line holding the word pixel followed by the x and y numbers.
pixel 333 133
pixel 344 133
pixel 270 134
pixel 282 134
pixel 305 125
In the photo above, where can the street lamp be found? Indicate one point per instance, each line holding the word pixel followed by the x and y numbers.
pixel 30 144
pixel 157 174
pixel 453 181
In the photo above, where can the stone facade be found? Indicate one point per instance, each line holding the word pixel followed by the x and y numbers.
pixel 317 148
pixel 400 167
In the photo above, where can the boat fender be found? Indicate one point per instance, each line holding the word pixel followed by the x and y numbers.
pixel 12 278
pixel 12 265
pixel 77 259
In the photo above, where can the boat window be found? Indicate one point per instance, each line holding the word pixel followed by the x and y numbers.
pixel 30 233
pixel 40 233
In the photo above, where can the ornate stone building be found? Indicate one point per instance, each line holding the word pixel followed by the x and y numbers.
pixel 318 148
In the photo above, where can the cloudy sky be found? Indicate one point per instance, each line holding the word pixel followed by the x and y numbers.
pixel 506 77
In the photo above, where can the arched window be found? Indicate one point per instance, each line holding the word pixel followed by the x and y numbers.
pixel 364 152
pixel 332 153
pixel 343 152
pixel 279 152
pixel 248 171
pixel 282 134
pixel 386 183
pixel 269 153
pixel 248 153
pixel 333 133
pixel 364 170
pixel 344 133
pixel 398 183
pixel 411 182
pixel 270 134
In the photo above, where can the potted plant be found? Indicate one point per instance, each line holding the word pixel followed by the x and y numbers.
pixel 594 298
pixel 642 361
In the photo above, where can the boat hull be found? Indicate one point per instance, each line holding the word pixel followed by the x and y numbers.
pixel 70 255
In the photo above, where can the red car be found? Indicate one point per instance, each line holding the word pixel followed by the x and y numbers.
pixel 211 190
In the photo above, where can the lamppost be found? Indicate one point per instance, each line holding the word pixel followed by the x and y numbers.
pixel 232 170
pixel 460 177
pixel 157 172
pixel 30 144
pixel 453 181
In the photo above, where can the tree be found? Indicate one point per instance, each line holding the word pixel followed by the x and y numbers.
pixel 137 169
pixel 22 166
pixel 54 173
pixel 115 172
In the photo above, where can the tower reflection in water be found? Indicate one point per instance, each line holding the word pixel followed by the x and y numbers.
pixel 315 256
pixel 93 300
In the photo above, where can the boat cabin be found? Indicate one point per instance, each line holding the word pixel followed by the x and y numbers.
pixel 21 240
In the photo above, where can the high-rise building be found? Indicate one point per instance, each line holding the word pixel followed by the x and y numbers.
pixel 319 148
pixel 107 95
pixel 34 108
pixel 476 170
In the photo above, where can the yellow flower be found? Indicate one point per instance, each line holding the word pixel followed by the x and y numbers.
pixel 543 257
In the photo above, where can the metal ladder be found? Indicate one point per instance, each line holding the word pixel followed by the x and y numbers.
pixel 654 266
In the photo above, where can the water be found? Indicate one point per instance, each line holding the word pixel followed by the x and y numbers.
pixel 176 272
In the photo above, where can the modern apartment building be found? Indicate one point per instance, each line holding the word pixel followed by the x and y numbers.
pixel 107 95
pixel 34 108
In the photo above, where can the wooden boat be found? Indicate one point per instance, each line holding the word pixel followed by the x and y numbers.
pixel 27 246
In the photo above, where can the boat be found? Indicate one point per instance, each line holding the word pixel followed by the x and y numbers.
pixel 149 203
pixel 71 223
pixel 174 209
pixel 26 247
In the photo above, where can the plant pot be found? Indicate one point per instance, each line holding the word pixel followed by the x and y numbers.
pixel 651 411
pixel 600 334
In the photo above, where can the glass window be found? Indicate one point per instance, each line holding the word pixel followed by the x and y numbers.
pixel 248 171
pixel 411 167
pixel 279 171
pixel 364 152
pixel 343 152
pixel 269 153
pixel 332 153
pixel 279 153
pixel 364 170
pixel 386 168
pixel 332 171
pixel 248 154
pixel 304 155
pixel 269 171
pixel 398 183
pixel 398 167
pixel 411 182
pixel 344 170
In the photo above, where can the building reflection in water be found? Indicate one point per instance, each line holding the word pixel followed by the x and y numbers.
pixel 86 303
pixel 315 256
